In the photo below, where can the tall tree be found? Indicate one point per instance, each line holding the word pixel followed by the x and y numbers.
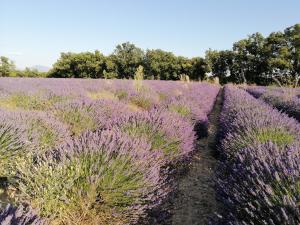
pixel 277 54
pixel 127 58
pixel 199 68
pixel 249 58
pixel 162 65
pixel 7 67
pixel 221 64
pixel 293 37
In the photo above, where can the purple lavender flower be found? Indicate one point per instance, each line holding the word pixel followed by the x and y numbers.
pixel 99 177
pixel 285 99
pixel 258 177
pixel 164 131
pixel 19 216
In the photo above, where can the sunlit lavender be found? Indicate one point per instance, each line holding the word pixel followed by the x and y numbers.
pixel 95 151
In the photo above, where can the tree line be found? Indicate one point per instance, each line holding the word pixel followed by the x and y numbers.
pixel 255 59
pixel 124 61
pixel 260 60
pixel 8 69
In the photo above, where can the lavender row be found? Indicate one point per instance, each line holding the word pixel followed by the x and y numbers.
pixel 258 176
pixel 285 99
pixel 94 152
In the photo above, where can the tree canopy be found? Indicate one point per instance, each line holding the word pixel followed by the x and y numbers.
pixel 125 60
pixel 255 59
pixel 260 60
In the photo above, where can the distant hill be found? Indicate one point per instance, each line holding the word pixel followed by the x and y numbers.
pixel 41 68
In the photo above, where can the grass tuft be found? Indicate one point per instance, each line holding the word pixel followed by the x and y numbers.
pixel 141 102
pixel 29 102
pixel 155 137
pixel 180 109
pixel 102 95
pixel 78 119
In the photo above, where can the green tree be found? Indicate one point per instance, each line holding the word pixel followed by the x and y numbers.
pixel 28 72
pixel 260 60
pixel 111 68
pixel 221 64
pixel 199 69
pixel 127 57
pixel 277 53
pixel 79 65
pixel 7 67
pixel 162 65
pixel 249 58
pixel 292 35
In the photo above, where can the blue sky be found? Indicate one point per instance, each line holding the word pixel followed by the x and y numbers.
pixel 34 32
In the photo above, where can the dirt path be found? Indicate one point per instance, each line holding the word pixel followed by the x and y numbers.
pixel 195 200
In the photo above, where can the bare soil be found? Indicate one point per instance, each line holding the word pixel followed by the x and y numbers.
pixel 195 200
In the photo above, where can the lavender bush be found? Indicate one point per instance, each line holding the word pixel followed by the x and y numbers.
pixel 262 185
pixel 285 99
pixel 162 130
pixel 12 146
pixel 100 177
pixel 95 151
pixel 11 215
pixel 79 115
pixel 258 178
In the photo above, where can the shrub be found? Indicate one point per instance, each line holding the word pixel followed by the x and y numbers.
pixel 12 146
pixel 100 178
pixel 262 186
pixel 284 99
pixel 79 116
pixel 164 131
pixel 258 177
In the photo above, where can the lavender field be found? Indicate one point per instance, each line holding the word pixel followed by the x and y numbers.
pixel 82 151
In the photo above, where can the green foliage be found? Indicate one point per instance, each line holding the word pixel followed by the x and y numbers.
pixel 52 188
pixel 138 78
pixel 154 136
pixel 101 95
pixel 78 119
pixel 260 60
pixel 109 75
pixel 124 62
pixel 141 102
pixel 255 59
pixel 221 63
pixel 79 65
pixel 11 149
pixel 198 69
pixel 29 102
pixel 180 109
pixel 29 73
pixel 7 67
pixel 161 65
pixel 277 136
pixel 127 58
pixel 47 138
pixel 121 94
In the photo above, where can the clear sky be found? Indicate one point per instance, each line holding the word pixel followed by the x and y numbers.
pixel 34 32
